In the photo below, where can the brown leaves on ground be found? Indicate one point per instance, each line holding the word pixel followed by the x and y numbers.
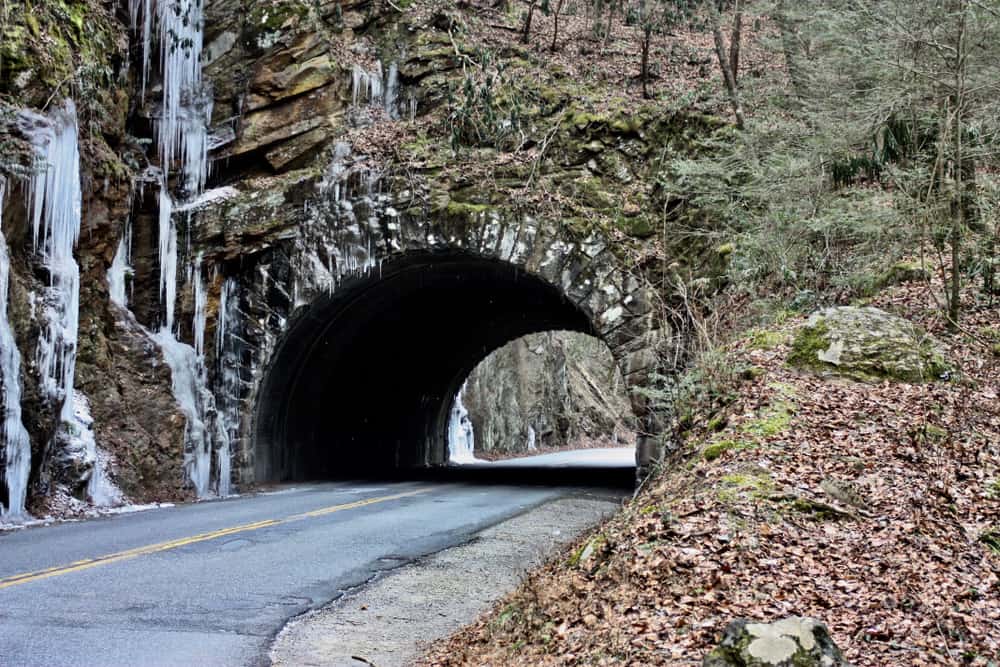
pixel 868 506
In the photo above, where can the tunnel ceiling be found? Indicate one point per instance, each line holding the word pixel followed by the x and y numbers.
pixel 363 381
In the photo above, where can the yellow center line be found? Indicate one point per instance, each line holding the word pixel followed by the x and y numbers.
pixel 88 563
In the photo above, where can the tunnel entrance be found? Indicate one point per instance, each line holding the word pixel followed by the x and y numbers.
pixel 363 380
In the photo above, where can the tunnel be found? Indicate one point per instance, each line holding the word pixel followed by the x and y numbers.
pixel 363 380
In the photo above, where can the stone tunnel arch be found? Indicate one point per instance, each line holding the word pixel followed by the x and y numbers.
pixel 363 378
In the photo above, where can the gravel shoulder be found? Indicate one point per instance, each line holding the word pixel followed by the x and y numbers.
pixel 391 620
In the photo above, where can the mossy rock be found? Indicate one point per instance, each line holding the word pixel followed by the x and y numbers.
pixel 868 345
pixel 790 642
pixel 902 272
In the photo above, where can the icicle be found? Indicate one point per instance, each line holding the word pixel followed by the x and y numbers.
pixel 168 256
pixel 228 400
pixel 391 91
pixel 367 86
pixel 16 445
pixel 184 113
pixel 143 9
pixel 200 316
pixel 121 268
pixel 461 440
pixel 55 199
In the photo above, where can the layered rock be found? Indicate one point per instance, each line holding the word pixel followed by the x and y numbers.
pixel 328 159
pixel 548 390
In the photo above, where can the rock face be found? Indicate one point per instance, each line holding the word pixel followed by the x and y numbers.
pixel 866 344
pixel 790 642
pixel 306 195
pixel 547 390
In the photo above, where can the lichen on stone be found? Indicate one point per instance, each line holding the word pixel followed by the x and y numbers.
pixel 866 344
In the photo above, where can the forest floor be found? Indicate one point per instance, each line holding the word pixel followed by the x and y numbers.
pixel 872 507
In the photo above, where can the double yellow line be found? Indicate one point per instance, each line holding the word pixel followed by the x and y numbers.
pixel 88 563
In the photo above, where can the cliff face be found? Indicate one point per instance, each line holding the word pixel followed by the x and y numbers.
pixel 243 161
pixel 548 390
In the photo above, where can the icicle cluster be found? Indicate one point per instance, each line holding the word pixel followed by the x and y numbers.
pixel 366 86
pixel 185 108
pixel 461 440
pixel 55 200
pixel 377 88
pixel 16 445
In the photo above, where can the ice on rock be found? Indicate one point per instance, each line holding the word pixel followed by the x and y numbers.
pixel 366 86
pixel 168 256
pixel 121 268
pixel 461 439
pixel 101 491
pixel 16 445
pixel 55 202
pixel 191 394
pixel 228 347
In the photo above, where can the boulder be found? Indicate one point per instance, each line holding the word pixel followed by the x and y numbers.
pixel 790 642
pixel 866 344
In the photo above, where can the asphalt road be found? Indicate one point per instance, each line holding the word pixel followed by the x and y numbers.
pixel 212 583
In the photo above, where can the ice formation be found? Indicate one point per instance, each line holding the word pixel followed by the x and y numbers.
pixel 55 202
pixel 16 445
pixel 168 256
pixel 228 403
pixel 190 392
pixel 101 491
pixel 366 86
pixel 121 269
pixel 461 440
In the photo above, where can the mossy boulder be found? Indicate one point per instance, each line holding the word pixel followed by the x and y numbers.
pixel 902 272
pixel 866 344
pixel 790 642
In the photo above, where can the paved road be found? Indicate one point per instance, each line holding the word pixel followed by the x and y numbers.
pixel 211 583
pixel 601 457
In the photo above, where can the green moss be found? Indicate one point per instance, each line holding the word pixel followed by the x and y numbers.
pixel 766 340
pixel 717 449
pixel 717 423
pixel 808 344
pixel 750 373
pixel 757 484
pixel 902 272
pixel 991 538
pixel 459 209
pixel 587 550
pixel 775 421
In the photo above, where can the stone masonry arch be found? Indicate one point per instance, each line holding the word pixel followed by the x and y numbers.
pixel 331 258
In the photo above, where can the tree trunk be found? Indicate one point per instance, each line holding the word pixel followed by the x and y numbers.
pixel 787 28
pixel 736 41
pixel 647 34
pixel 611 18
pixel 727 75
pixel 526 35
pixel 555 29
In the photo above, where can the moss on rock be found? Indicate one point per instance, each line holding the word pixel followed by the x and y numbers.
pixel 866 344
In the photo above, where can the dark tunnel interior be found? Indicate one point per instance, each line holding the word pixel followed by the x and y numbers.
pixel 363 381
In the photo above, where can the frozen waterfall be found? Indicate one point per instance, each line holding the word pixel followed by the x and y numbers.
pixel 55 202
pixel 16 445
pixel 461 440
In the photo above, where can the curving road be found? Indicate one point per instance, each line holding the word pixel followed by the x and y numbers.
pixel 212 583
